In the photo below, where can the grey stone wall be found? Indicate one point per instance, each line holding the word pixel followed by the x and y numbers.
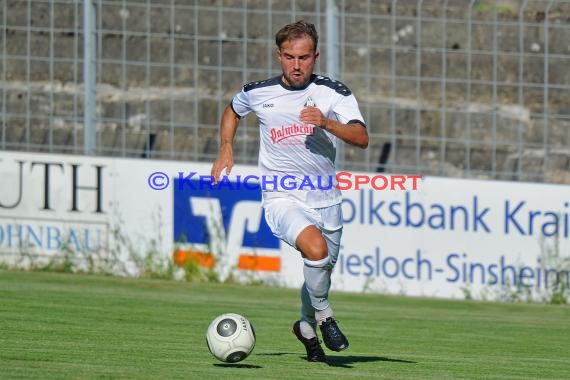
pixel 161 84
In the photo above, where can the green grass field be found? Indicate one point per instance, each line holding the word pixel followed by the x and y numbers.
pixel 82 326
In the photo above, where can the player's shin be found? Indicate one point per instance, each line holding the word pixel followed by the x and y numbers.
pixel 308 323
pixel 317 275
pixel 307 309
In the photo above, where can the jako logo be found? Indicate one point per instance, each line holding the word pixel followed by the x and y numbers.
pixel 224 228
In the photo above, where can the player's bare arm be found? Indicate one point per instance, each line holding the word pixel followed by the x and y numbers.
pixel 353 133
pixel 225 159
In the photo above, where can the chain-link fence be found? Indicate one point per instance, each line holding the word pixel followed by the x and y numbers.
pixel 457 88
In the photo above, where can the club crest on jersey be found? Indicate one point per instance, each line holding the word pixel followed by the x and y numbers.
pixel 279 134
pixel 310 102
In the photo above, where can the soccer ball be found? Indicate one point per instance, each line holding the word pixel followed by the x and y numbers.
pixel 230 337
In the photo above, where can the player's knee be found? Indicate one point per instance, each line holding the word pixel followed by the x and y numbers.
pixel 316 251
pixel 312 244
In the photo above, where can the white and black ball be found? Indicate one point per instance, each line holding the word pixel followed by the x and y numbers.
pixel 230 337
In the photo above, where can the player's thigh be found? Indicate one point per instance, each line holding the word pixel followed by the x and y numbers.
pixel 287 219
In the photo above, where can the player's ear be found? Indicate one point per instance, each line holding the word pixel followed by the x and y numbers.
pixel 278 54
pixel 317 55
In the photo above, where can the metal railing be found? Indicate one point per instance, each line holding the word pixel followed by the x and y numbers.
pixel 475 89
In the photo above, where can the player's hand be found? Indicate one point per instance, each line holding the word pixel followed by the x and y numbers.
pixel 313 115
pixel 225 160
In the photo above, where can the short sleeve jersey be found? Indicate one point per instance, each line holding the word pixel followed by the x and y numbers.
pixel 297 160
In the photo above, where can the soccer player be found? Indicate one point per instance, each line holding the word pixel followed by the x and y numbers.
pixel 301 116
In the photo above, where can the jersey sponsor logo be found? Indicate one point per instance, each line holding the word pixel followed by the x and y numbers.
pixel 284 132
pixel 268 105
pixel 227 224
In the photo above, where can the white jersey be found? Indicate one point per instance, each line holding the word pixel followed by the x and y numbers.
pixel 295 159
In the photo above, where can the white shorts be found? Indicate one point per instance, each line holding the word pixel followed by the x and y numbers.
pixel 288 217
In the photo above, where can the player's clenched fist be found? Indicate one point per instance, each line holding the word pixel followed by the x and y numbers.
pixel 313 115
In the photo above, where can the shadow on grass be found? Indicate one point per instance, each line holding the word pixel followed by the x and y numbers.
pixel 277 353
pixel 346 361
pixel 238 365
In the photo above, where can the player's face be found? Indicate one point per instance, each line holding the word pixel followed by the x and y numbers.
pixel 298 58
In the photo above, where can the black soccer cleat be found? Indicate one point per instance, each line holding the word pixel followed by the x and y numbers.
pixel 332 336
pixel 315 352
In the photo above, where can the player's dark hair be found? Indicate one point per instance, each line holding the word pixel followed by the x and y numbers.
pixel 297 30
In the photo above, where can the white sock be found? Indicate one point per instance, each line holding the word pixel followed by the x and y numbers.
pixel 307 310
pixel 321 315
pixel 317 277
pixel 307 330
